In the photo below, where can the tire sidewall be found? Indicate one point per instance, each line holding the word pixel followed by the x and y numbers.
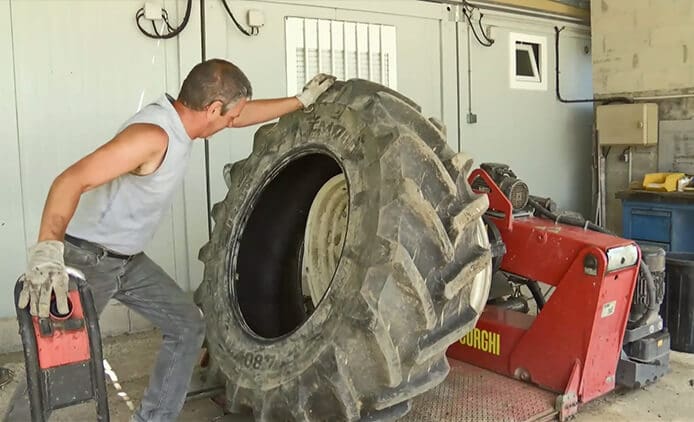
pixel 252 361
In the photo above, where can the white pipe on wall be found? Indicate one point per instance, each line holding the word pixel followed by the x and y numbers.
pixel 629 173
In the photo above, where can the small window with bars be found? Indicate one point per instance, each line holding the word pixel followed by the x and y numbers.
pixel 344 49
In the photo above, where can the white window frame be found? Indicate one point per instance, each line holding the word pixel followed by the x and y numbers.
pixel 538 82
pixel 533 64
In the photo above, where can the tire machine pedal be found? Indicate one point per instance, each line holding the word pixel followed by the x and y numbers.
pixel 62 353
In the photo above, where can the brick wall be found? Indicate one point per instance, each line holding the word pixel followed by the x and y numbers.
pixel 642 46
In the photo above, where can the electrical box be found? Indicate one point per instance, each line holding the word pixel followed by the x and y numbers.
pixel 256 18
pixel 153 9
pixel 627 124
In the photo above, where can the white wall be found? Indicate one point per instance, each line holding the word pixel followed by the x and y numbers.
pixel 12 215
pixel 546 143
pixel 81 67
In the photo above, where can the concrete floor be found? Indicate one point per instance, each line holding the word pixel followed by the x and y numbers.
pixel 131 357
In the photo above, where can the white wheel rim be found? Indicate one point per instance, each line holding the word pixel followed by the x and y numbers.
pixel 479 292
pixel 324 237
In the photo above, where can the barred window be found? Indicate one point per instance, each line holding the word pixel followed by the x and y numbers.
pixel 344 49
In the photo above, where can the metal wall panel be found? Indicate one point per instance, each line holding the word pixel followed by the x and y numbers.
pixel 12 243
pixel 82 68
pixel 341 48
pixel 263 59
pixel 418 54
pixel 547 143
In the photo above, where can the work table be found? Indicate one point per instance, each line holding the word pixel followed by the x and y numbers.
pixel 652 196
pixel 664 219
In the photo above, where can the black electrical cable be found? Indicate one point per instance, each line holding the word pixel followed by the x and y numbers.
pixel 208 190
pixel 533 286
pixel 154 27
pixel 557 30
pixel 547 292
pixel 457 82
pixel 490 42
pixel 484 34
pixel 465 5
pixel 535 290
pixel 165 16
pixel 203 32
pixel 653 307
pixel 243 30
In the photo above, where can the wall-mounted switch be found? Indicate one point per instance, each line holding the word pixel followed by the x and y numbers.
pixel 256 18
pixel 153 9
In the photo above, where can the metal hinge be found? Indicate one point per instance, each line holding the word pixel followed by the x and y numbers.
pixel 455 14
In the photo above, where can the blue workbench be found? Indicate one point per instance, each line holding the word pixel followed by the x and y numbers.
pixel 664 219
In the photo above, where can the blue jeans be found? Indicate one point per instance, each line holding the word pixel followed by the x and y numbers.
pixel 144 287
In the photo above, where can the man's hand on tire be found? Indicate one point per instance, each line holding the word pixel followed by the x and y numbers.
pixel 314 88
pixel 45 276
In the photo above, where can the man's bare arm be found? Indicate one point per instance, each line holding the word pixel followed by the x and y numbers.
pixel 260 111
pixel 134 146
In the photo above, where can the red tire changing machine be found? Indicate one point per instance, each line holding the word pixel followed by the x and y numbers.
pixel 598 330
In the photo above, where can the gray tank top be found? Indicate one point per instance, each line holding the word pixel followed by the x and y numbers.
pixel 123 214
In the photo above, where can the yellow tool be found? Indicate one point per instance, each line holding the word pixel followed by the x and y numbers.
pixel 662 182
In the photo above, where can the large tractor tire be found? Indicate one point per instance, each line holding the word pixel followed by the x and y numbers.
pixel 349 253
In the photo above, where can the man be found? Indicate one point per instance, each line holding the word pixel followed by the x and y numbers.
pixel 128 184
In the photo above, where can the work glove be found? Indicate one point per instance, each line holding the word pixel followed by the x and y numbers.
pixel 314 88
pixel 45 275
